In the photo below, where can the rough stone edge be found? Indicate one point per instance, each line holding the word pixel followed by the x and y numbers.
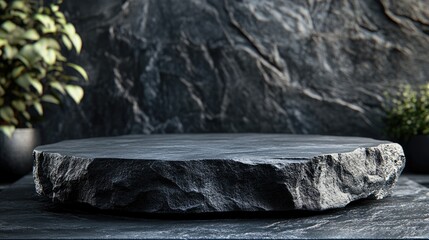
pixel 377 182
pixel 309 192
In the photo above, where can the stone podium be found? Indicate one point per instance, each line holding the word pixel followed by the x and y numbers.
pixel 208 173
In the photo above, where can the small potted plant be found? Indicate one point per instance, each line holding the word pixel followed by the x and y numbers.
pixel 408 123
pixel 33 38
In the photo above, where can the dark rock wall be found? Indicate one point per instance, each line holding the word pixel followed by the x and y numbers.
pixel 242 66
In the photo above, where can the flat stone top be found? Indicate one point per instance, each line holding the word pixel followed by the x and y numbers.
pixel 275 147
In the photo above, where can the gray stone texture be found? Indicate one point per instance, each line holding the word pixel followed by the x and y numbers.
pixel 403 215
pixel 238 66
pixel 208 173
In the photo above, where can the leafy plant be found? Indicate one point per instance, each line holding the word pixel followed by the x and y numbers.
pixel 32 66
pixel 408 112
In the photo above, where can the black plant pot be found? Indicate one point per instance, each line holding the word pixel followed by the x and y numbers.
pixel 16 158
pixel 417 154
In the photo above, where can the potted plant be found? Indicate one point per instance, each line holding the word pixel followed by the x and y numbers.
pixel 408 123
pixel 33 38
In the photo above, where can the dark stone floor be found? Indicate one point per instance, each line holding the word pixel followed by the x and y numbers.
pixel 403 215
pixel 422 179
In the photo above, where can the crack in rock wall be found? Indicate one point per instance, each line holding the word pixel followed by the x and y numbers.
pixel 316 67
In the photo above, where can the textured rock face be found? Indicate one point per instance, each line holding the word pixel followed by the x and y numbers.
pixel 238 66
pixel 218 172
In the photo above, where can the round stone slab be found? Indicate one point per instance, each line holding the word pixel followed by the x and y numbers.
pixel 200 173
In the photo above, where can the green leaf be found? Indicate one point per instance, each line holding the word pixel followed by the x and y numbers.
pixel 10 51
pixel 3 4
pixel 6 113
pixel 50 43
pixel 17 71
pixel 14 121
pixel 8 26
pixel 31 34
pixel 19 5
pixel 58 86
pixel 3 42
pixel 40 47
pixel 66 42
pixel 50 57
pixel 18 105
pixel 77 42
pixel 73 36
pixel 47 22
pixel 24 81
pixel 69 29
pixel 45 48
pixel 26 115
pixel 24 60
pixel 61 19
pixel 29 96
pixel 1 102
pixel 7 130
pixel 79 69
pixel 75 92
pixel 50 99
pixel 42 70
pixel 23 16
pixel 37 85
pixel 2 92
pixel 38 107
pixel 29 55
pixel 55 7
pixel 60 57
